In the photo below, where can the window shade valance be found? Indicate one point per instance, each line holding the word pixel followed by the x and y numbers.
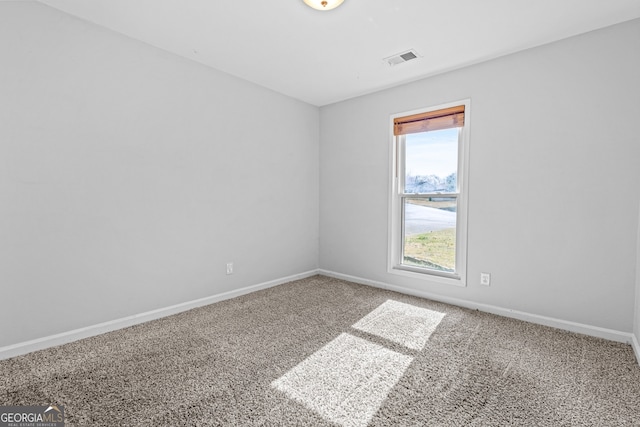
pixel 433 120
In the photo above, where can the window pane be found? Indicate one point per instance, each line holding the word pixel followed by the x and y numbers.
pixel 431 162
pixel 430 233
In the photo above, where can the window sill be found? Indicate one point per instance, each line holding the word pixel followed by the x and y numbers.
pixel 426 276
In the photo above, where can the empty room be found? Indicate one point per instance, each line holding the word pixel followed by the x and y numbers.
pixel 319 213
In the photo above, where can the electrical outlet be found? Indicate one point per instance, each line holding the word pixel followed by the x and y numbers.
pixel 229 268
pixel 485 279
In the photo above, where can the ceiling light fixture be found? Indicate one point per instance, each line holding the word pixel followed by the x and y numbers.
pixel 323 4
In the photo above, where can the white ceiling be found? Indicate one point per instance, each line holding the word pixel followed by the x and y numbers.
pixel 325 57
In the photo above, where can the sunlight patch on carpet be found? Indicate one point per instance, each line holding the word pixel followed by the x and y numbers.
pixel 345 381
pixel 401 323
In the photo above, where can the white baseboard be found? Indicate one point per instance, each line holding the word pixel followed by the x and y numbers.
pixel 101 328
pixel 566 325
pixel 636 347
pixel 89 331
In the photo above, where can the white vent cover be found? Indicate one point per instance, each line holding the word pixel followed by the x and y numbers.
pixel 402 57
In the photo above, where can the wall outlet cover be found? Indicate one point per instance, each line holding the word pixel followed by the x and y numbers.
pixel 485 279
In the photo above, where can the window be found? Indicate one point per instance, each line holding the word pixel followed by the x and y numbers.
pixel 428 209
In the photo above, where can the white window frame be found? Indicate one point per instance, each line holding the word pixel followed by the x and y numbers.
pixel 394 264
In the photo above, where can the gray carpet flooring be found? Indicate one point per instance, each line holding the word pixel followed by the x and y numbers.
pixel 325 352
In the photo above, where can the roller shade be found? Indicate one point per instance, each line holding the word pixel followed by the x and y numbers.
pixel 446 118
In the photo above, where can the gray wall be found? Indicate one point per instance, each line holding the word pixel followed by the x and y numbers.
pixel 554 178
pixel 636 323
pixel 129 177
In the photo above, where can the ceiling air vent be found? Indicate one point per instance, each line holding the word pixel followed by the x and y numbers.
pixel 400 58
